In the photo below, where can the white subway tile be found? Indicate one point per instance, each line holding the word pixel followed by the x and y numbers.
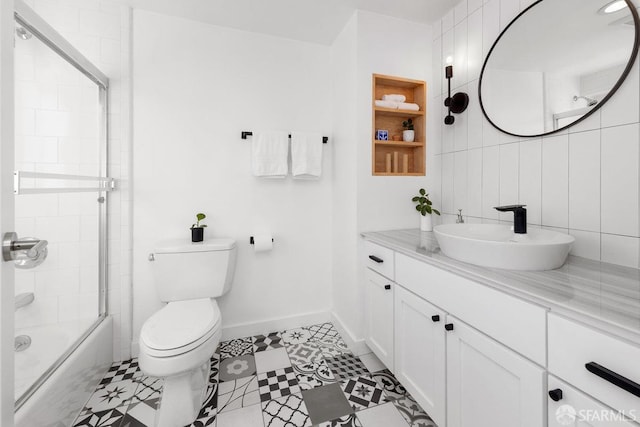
pixel 555 181
pixel 474 118
pixel 62 281
pixel 447 21
pixel 474 183
pixel 584 180
pixel 490 24
pixel 460 12
pixel 474 45
pixel 490 181
pixel 460 61
pixel 460 128
pixel 590 123
pixel 460 181
pixel 437 29
pixel 531 179
pixel 509 9
pixel 509 166
pixel 43 310
pixel 587 244
pixel 447 183
pixel 472 5
pixel 437 61
pixel 621 250
pixel 53 123
pixel 624 106
pixel 619 201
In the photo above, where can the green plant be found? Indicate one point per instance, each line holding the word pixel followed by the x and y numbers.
pixel 408 124
pixel 199 217
pixel 423 204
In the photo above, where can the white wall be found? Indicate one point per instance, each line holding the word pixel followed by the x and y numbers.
pixel 100 31
pixel 362 202
pixel 197 87
pixel 584 182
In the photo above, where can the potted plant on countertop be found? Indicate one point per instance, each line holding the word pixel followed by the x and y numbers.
pixel 197 229
pixel 408 134
pixel 424 206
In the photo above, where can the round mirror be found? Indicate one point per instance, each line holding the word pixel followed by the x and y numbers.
pixel 556 63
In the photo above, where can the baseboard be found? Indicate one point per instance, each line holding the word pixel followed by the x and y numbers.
pixel 357 345
pixel 270 325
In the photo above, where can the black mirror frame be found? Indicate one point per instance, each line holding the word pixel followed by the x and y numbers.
pixel 627 70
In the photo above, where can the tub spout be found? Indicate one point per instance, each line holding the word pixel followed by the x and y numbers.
pixel 23 299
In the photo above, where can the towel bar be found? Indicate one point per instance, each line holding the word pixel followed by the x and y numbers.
pixel 244 134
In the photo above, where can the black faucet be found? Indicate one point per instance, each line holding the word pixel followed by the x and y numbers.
pixel 519 217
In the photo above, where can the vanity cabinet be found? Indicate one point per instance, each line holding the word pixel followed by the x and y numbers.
pixel 572 408
pixel 420 352
pixel 379 321
pixel 489 385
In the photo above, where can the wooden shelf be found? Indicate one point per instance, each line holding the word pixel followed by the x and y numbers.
pixel 398 158
pixel 397 113
pixel 398 143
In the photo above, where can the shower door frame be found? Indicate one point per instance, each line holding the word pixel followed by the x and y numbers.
pixel 44 32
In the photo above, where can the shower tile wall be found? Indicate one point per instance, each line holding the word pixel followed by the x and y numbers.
pixel 101 31
pixel 584 182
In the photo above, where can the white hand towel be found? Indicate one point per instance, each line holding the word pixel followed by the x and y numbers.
pixel 269 154
pixel 386 104
pixel 394 98
pixel 306 155
pixel 408 106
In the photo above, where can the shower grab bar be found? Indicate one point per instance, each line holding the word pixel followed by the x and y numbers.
pixel 104 183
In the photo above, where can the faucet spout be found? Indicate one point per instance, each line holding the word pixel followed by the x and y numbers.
pixel 23 299
pixel 519 217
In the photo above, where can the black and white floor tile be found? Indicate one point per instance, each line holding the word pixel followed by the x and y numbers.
pixel 295 378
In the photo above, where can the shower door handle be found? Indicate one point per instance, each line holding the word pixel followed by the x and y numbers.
pixel 26 253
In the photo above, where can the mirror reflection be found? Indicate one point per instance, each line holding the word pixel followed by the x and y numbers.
pixel 556 63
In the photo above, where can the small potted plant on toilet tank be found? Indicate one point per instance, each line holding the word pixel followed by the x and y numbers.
pixel 197 229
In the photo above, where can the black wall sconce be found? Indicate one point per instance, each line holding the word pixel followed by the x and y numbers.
pixel 456 103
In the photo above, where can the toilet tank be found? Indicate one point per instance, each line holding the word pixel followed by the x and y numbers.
pixel 183 270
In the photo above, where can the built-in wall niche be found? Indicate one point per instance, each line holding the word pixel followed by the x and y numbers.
pixel 397 157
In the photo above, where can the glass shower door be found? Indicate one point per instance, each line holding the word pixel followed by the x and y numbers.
pixel 60 196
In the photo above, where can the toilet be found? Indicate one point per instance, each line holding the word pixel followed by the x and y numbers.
pixel 177 341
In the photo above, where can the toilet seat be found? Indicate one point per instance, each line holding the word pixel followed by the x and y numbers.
pixel 180 327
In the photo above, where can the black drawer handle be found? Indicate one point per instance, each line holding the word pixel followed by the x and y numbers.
pixel 449 326
pixel 555 395
pixel 435 318
pixel 614 378
pixel 376 259
pixel 387 287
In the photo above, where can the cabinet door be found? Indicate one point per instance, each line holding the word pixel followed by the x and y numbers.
pixel 489 385
pixel 572 408
pixel 420 352
pixel 379 336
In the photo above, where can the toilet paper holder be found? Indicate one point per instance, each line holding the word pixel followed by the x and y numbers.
pixel 251 242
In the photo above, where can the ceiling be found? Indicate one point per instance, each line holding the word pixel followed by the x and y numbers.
pixel 315 21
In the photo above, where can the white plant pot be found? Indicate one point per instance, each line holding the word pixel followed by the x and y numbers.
pixel 426 223
pixel 408 135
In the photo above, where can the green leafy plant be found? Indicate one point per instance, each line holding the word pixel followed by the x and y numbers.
pixel 199 217
pixel 423 204
pixel 408 124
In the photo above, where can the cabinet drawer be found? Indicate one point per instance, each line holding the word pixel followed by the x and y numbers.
pixel 380 259
pixel 587 412
pixel 573 347
pixel 509 320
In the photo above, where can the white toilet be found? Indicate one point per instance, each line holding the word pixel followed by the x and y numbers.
pixel 177 341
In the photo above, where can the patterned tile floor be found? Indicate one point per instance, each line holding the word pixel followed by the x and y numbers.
pixel 296 378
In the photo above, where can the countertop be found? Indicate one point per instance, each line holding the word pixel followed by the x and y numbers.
pixel 603 295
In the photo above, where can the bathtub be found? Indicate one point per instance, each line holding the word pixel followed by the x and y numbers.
pixel 62 395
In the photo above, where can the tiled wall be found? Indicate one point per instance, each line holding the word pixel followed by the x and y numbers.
pixel 101 31
pixel 583 182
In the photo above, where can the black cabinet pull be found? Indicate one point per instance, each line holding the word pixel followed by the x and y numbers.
pixel 376 259
pixel 555 395
pixel 387 287
pixel 435 318
pixel 614 378
pixel 449 326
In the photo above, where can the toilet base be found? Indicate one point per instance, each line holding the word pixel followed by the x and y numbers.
pixel 182 397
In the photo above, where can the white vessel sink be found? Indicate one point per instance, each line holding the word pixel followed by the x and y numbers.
pixel 498 246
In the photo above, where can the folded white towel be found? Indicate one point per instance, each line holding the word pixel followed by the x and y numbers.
pixel 408 106
pixel 306 155
pixel 269 154
pixel 386 104
pixel 394 98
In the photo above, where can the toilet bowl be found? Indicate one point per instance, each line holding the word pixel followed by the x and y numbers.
pixel 177 341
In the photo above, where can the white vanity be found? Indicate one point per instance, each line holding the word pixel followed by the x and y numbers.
pixel 482 347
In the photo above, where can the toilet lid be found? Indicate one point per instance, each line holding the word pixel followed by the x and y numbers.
pixel 180 323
